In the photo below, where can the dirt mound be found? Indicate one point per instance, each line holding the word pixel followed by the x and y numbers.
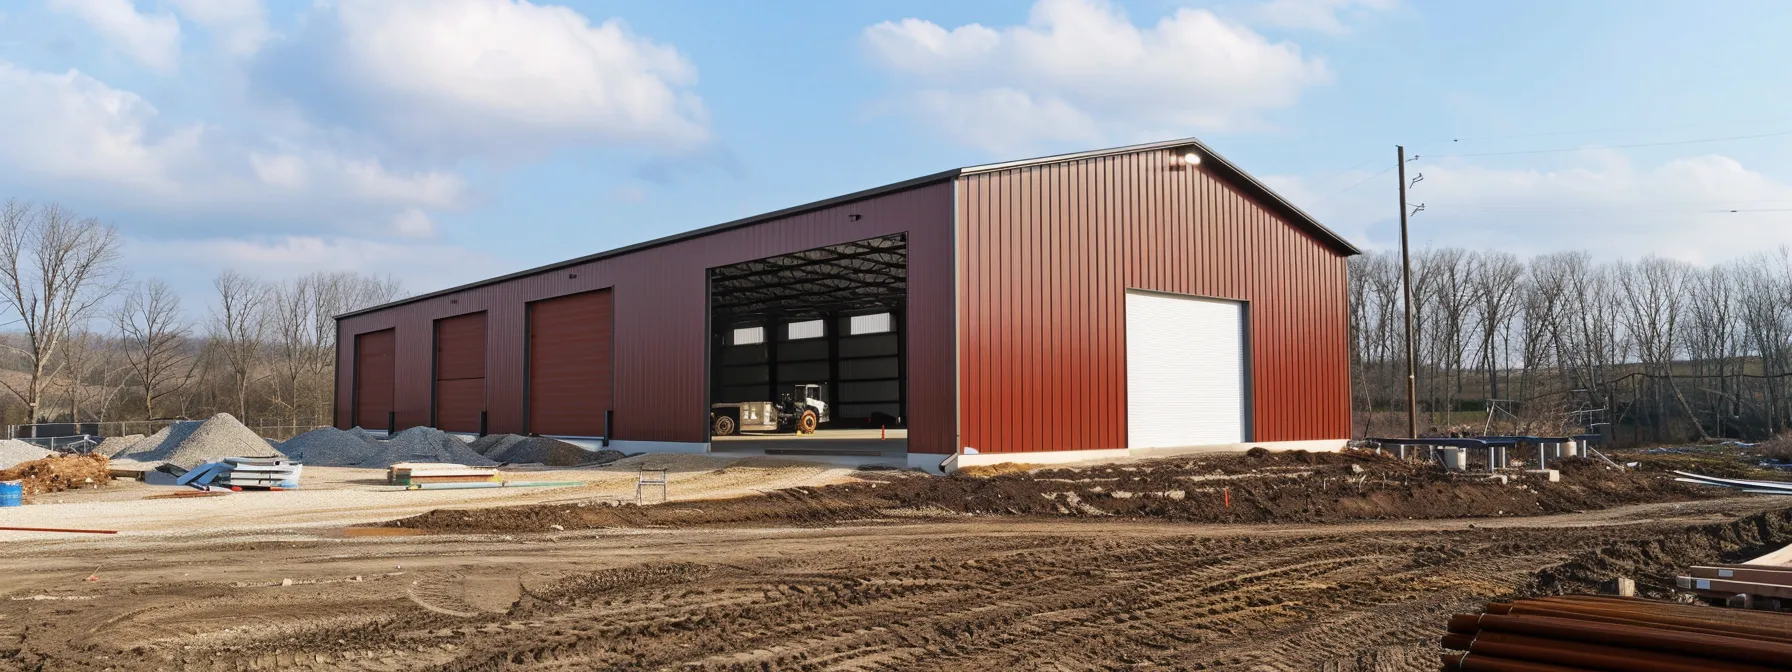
pixel 423 444
pixel 1294 487
pixel 55 474
pixel 796 506
pixel 330 447
pixel 14 452
pixel 113 445
pixel 1654 562
pixel 190 443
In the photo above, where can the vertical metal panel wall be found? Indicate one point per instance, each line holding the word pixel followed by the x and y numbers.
pixel 660 313
pixel 1047 254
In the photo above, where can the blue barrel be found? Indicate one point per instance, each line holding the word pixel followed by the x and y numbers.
pixel 12 493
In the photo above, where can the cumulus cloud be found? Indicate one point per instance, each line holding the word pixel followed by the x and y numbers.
pixel 153 40
pixel 1076 61
pixel 1699 208
pixel 1323 16
pixel 190 264
pixel 70 131
pixel 465 77
pixel 241 26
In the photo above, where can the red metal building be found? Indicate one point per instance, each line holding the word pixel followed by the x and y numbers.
pixel 1122 301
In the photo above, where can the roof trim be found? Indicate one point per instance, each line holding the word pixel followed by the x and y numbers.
pixel 1212 160
pixel 904 185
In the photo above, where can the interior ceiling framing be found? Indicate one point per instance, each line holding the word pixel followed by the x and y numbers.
pixel 865 274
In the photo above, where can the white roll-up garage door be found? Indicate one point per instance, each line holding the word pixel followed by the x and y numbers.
pixel 1184 371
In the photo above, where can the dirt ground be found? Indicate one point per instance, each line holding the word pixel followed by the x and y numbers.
pixel 875 571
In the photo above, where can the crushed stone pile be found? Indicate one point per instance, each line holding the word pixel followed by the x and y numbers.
pixel 513 449
pixel 423 444
pixel 14 452
pixel 114 445
pixel 55 474
pixel 330 447
pixel 494 444
pixel 190 443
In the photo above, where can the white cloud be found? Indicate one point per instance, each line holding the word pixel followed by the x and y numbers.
pixel 1323 16
pixel 240 25
pixel 190 264
pixel 153 40
pixel 491 76
pixel 414 223
pixel 1085 64
pixel 1602 203
pixel 74 133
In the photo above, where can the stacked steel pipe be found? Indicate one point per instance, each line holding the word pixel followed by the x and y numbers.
pixel 1585 632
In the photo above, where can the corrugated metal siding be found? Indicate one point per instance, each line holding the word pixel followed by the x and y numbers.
pixel 569 364
pixel 374 371
pixel 1047 254
pixel 460 372
pixel 661 310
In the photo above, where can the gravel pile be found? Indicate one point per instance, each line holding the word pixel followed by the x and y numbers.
pixel 190 443
pixel 14 452
pixel 423 444
pixel 114 445
pixel 542 450
pixel 330 447
pixel 494 444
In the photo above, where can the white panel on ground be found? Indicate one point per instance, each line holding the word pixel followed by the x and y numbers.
pixel 1184 371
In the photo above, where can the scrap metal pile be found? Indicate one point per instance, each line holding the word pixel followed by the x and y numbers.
pixel 1585 632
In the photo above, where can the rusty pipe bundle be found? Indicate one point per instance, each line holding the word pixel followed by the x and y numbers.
pixel 1602 633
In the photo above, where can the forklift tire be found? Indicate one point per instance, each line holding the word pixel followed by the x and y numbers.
pixel 807 423
pixel 722 426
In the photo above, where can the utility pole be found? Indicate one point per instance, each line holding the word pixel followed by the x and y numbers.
pixel 1412 367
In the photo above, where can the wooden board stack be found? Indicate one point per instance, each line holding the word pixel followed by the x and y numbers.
pixel 424 473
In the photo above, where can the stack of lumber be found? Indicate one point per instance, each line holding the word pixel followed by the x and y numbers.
pixel 1756 487
pixel 428 473
pixel 1585 632
pixel 239 473
pixel 1762 583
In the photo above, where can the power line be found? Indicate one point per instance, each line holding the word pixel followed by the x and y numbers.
pixel 1359 183
pixel 1630 146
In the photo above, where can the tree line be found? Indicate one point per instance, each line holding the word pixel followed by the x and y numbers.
pixel 89 343
pixel 1651 350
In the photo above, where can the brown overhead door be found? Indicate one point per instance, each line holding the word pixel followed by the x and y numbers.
pixel 374 374
pixel 460 372
pixel 569 364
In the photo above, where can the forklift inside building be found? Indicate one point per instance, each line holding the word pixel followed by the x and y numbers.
pixel 807 352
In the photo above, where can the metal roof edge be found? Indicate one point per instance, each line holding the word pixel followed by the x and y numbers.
pixel 904 185
pixel 1245 179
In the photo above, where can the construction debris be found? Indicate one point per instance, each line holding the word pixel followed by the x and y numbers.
pixel 1585 632
pixel 1755 487
pixel 190 443
pixel 238 473
pixel 58 473
pixel 1761 583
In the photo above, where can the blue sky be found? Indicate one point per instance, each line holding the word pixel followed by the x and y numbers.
pixel 443 141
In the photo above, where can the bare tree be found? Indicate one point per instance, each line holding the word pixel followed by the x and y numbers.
pixel 237 330
pixel 154 335
pixel 55 268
